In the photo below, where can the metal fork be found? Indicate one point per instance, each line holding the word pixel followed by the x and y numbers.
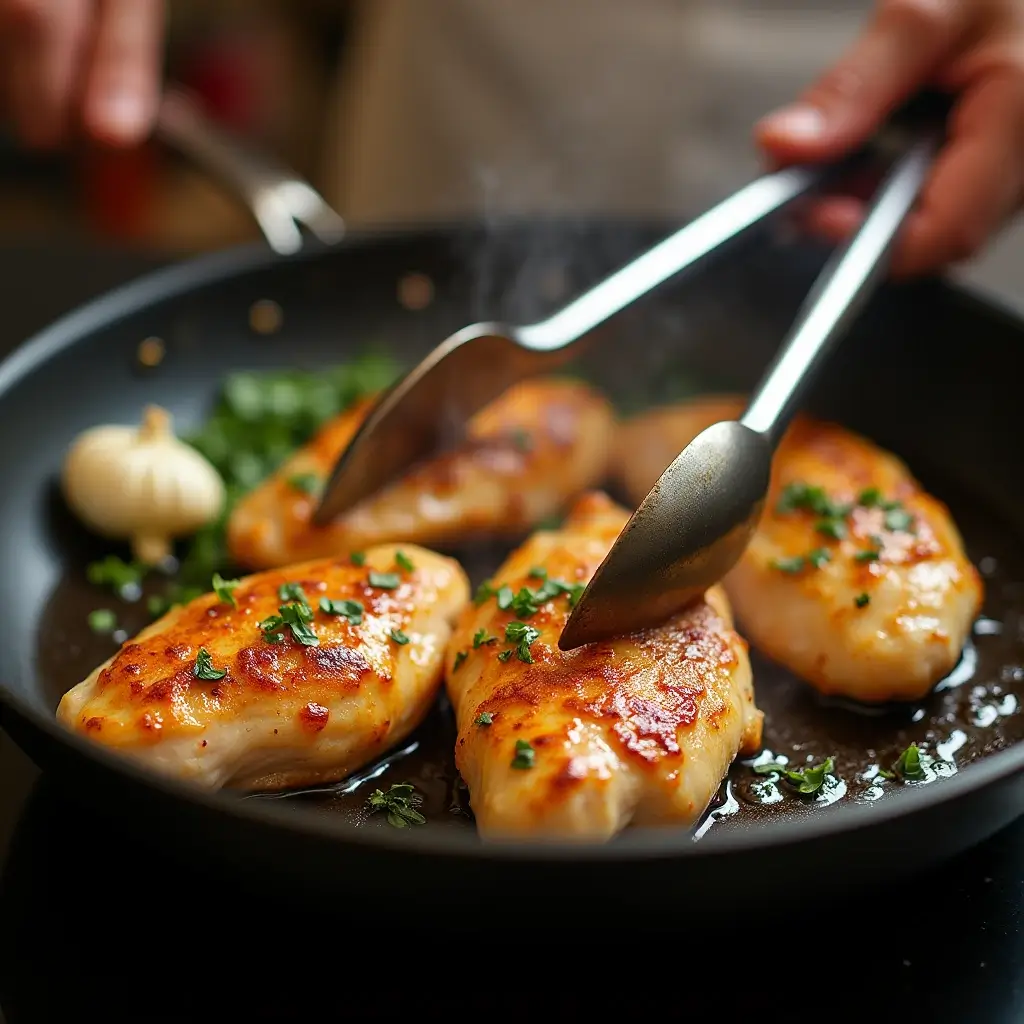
pixel 280 201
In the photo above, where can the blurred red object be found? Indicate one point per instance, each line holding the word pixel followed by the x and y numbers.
pixel 119 189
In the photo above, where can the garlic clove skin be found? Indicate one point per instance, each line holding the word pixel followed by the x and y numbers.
pixel 141 484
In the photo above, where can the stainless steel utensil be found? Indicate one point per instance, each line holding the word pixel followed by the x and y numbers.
pixel 279 200
pixel 430 406
pixel 696 522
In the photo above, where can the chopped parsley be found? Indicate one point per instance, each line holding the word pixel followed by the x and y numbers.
pixel 526 601
pixel 522 635
pixel 525 755
pixel 799 496
pixel 790 565
pixel 307 483
pixel 522 439
pixel 204 666
pixel 459 659
pixel 224 589
pixel 123 578
pixel 483 594
pixel 505 598
pixel 102 620
pixel 870 497
pixel 357 557
pixel 538 572
pixel 481 637
pixel 403 561
pixel 295 617
pixel 834 529
pixel 797 563
pixel 898 520
pixel 909 765
pixel 351 610
pixel 862 600
pixel 484 718
pixel 292 592
pixel 399 803
pixel 868 555
pixel 399 637
pixel 505 655
pixel 384 580
pixel 804 780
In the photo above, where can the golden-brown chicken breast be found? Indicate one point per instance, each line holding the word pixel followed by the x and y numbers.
pixel 525 456
pixel 856 579
pixel 577 745
pixel 292 677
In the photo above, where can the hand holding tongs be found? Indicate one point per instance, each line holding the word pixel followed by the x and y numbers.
pixel 698 518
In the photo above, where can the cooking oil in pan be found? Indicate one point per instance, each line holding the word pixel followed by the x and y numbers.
pixel 971 714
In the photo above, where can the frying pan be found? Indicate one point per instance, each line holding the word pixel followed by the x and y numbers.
pixel 930 371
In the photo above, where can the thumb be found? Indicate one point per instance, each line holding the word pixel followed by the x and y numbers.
pixel 902 47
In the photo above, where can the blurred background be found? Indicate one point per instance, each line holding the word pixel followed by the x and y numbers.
pixel 336 89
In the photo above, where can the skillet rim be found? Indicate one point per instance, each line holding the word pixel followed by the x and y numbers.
pixel 189 275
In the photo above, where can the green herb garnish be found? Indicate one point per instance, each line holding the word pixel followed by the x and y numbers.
pixel 481 637
pixel 403 561
pixel 399 637
pixel 522 440
pixel 357 557
pixel 484 718
pixel 834 529
pixel 505 655
pixel 819 556
pixel 909 766
pixel 483 594
pixel 869 497
pixel 295 617
pixel 522 635
pixel 399 803
pixel 308 483
pixel 102 620
pixel 224 589
pixel 204 666
pixel 351 610
pixel 292 592
pixel 505 598
pixel 124 578
pixel 384 580
pixel 869 555
pixel 538 572
pixel 460 657
pixel 799 496
pixel 862 600
pixel 898 519
pixel 790 565
pixel 804 780
pixel 525 755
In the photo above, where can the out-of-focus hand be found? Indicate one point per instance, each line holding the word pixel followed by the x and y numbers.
pixel 973 49
pixel 69 67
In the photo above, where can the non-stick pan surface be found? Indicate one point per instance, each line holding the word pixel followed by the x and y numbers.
pixel 929 372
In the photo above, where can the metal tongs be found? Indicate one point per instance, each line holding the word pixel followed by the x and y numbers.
pixel 699 517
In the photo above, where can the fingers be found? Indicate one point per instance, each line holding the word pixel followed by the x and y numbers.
pixel 122 87
pixel 42 52
pixel 976 184
pixel 977 181
pixel 902 47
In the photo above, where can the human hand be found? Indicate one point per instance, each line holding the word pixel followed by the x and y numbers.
pixel 971 49
pixel 80 66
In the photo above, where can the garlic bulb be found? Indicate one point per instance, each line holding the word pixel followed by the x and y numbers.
pixel 141 484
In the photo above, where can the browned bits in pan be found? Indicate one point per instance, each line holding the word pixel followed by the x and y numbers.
pixel 415 291
pixel 151 352
pixel 266 316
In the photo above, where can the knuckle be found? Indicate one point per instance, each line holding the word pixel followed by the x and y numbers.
pixel 928 16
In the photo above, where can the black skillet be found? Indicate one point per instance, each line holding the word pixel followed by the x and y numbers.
pixel 929 371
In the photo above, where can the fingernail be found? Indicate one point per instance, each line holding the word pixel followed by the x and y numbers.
pixel 802 123
pixel 123 112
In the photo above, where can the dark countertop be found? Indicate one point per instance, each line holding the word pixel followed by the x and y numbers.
pixel 85 903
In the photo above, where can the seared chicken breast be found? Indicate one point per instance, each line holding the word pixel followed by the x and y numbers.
pixel 578 745
pixel 525 456
pixel 293 677
pixel 856 579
